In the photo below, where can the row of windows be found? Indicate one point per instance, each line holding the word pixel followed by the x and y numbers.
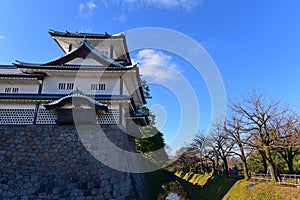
pixel 62 86
pixel 70 86
pixel 11 90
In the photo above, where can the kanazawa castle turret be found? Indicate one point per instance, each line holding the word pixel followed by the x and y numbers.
pixel 93 82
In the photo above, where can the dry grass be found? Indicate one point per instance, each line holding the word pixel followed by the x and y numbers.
pixel 262 191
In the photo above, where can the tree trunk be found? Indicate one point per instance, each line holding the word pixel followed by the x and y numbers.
pixel 225 165
pixel 288 156
pixel 246 172
pixel 245 167
pixel 270 163
pixel 290 160
pixel 264 161
pixel 213 167
pixel 217 160
pixel 244 160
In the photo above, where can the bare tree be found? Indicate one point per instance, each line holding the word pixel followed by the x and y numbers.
pixel 186 159
pixel 240 137
pixel 206 153
pixel 220 143
pixel 288 147
pixel 262 118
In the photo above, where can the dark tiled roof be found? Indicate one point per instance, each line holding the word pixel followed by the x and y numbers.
pixel 24 75
pixel 76 94
pixel 86 36
pixel 138 114
pixel 12 71
pixel 76 97
pixel 68 67
pixel 83 35
pixel 58 96
pixel 85 48
pixel 7 66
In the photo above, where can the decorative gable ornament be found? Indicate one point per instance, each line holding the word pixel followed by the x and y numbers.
pixel 76 106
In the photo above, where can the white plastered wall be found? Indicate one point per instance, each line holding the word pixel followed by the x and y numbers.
pixel 17 106
pixel 23 86
pixel 112 85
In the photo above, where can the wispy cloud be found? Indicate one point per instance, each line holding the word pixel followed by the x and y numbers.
pixel 156 65
pixel 121 18
pixel 171 4
pixel 86 9
pixel 130 5
pixel 2 37
pixel 165 4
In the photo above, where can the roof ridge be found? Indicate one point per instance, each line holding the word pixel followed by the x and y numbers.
pixel 84 34
pixel 90 46
pixel 77 93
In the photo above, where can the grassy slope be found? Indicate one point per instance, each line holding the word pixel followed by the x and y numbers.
pixel 261 190
pixel 200 187
pixel 195 179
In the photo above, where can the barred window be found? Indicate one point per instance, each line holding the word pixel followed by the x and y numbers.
pixel 15 90
pixel 61 86
pixel 70 86
pixel 93 86
pixel 97 86
pixel 101 86
pixel 65 86
pixel 11 90
pixel 7 90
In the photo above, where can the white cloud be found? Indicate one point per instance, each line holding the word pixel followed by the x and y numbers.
pixel 162 4
pixel 2 37
pixel 171 4
pixel 121 18
pixel 131 5
pixel 91 5
pixel 81 7
pixel 157 66
pixel 86 9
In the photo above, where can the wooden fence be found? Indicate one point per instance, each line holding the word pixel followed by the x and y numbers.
pixel 286 179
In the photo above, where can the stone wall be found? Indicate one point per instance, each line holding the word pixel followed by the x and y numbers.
pixel 51 162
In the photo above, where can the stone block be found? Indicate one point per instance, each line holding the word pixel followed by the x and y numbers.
pixel 52 162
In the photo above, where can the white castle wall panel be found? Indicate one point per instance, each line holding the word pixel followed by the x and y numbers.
pixel 50 85
pixel 23 87
pixel 112 85
pixel 86 61
pixel 17 106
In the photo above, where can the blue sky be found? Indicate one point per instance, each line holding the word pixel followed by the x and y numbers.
pixel 255 44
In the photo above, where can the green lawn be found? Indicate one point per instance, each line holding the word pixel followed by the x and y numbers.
pixel 261 191
pixel 205 187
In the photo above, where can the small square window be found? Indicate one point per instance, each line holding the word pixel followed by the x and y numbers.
pixel 101 86
pixel 15 90
pixel 94 86
pixel 97 86
pixel 7 90
pixel 70 86
pixel 61 86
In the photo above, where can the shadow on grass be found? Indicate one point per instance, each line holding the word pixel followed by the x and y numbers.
pixel 214 189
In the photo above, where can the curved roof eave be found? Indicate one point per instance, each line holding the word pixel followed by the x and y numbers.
pixel 77 94
pixel 54 33
pixel 85 48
